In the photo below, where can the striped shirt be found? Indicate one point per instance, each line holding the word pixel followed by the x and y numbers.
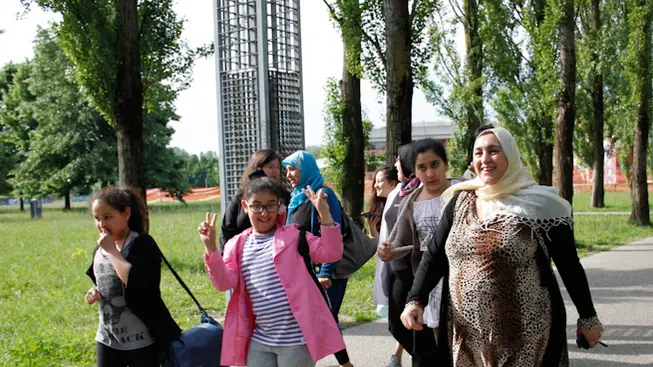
pixel 275 323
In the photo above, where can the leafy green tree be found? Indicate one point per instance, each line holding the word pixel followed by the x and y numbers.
pixel 121 49
pixel 335 140
pixel 16 119
pixel 638 58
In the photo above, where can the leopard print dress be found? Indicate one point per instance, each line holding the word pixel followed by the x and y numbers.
pixel 500 316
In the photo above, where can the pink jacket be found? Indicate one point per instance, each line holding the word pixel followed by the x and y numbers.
pixel 311 311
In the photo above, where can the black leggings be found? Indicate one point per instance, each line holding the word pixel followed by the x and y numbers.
pixel 143 357
pixel 419 344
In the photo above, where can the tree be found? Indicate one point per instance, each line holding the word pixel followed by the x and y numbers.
pixel 462 77
pixel 640 17
pixel 564 137
pixel 590 101
pixel 518 41
pixel 348 17
pixel 120 49
pixel 6 151
pixel 335 141
pixel 72 145
pixel 17 119
pixel 394 58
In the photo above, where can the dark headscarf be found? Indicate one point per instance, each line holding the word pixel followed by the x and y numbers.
pixel 407 161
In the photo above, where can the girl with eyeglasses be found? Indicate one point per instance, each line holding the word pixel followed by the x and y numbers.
pixel 277 315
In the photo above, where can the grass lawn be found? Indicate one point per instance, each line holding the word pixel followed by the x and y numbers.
pixel 46 323
pixel 614 202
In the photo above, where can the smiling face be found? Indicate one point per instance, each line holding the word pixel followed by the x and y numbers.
pixel 490 161
pixel 382 186
pixel 272 169
pixel 431 171
pixel 262 208
pixel 110 218
pixel 294 175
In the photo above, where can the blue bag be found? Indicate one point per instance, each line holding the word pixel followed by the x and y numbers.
pixel 198 346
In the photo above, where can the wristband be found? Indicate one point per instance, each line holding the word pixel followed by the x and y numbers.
pixel 414 303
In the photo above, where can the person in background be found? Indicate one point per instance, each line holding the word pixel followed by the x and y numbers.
pixel 418 218
pixel 135 324
pixel 265 162
pixel 493 247
pixel 385 180
pixel 404 165
pixel 302 171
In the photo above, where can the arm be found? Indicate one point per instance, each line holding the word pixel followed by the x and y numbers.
pixel 562 249
pixel 327 248
pixel 400 240
pixel 434 264
pixel 335 212
pixel 222 272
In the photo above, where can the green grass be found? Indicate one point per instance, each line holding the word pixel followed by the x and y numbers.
pixel 46 323
pixel 614 202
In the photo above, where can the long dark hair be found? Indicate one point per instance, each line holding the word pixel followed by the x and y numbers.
pixel 259 159
pixel 377 203
pixel 121 198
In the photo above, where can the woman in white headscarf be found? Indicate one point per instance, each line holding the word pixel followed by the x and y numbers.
pixel 493 246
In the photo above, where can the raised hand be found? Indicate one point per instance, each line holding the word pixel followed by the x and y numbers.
pixel 319 201
pixel 106 241
pixel 207 233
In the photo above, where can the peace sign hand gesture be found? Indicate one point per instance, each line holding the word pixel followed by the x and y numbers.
pixel 319 201
pixel 207 233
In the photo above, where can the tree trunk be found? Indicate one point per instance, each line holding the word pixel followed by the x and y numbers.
pixel 22 204
pixel 399 81
pixel 129 98
pixel 66 200
pixel 474 47
pixel 545 172
pixel 598 192
pixel 564 137
pixel 639 188
pixel 353 182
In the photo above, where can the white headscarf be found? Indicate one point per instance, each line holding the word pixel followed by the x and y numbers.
pixel 516 197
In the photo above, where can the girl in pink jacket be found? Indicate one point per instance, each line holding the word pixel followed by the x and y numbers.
pixel 277 315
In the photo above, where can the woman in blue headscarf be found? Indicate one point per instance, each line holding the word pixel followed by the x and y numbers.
pixel 302 171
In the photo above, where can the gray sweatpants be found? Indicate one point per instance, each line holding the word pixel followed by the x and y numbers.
pixel 260 355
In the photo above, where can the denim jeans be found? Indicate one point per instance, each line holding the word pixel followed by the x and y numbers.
pixel 336 294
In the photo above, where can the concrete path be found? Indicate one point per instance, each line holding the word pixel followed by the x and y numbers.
pixel 622 288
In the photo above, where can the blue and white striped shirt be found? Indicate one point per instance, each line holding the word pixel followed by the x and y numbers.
pixel 275 323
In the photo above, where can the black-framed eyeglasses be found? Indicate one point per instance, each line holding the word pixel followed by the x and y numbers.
pixel 258 208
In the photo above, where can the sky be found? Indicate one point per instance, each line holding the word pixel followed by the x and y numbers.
pixel 197 129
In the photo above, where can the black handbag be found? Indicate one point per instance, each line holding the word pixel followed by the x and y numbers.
pixel 199 346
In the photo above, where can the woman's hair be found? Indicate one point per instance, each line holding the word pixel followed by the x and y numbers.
pixel 431 145
pixel 407 159
pixel 121 198
pixel 263 184
pixel 481 129
pixel 259 159
pixel 377 203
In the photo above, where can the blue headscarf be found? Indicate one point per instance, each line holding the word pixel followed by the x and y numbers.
pixel 311 176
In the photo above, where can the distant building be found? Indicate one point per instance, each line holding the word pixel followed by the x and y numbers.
pixel 439 129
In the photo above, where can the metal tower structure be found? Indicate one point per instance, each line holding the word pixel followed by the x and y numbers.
pixel 259 83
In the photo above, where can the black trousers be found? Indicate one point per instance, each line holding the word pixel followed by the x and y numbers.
pixel 421 344
pixel 143 357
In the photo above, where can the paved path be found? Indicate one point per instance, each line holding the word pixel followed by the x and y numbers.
pixel 622 288
pixel 602 213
